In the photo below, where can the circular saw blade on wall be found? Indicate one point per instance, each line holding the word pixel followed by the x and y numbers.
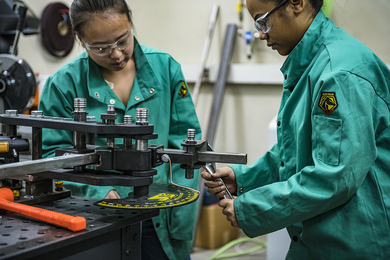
pixel 56 30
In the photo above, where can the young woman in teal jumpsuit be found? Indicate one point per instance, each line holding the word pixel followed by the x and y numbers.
pixel 117 70
pixel 328 177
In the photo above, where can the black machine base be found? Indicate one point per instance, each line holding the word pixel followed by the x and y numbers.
pixel 112 233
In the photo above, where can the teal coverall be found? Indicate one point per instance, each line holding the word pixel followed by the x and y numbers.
pixel 328 177
pixel 160 86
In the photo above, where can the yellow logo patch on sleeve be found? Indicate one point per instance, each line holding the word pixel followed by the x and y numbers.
pixel 328 102
pixel 183 90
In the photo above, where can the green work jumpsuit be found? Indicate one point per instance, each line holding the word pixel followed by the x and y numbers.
pixel 328 177
pixel 160 86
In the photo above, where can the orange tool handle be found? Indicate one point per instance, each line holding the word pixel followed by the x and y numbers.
pixel 59 219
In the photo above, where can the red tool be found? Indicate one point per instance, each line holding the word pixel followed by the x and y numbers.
pixel 59 219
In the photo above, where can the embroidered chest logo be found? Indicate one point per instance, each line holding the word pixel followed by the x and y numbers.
pixel 328 102
pixel 183 90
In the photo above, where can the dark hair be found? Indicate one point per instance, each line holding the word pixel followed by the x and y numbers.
pixel 81 11
pixel 316 4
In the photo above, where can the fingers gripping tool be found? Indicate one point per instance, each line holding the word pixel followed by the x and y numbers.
pixel 210 168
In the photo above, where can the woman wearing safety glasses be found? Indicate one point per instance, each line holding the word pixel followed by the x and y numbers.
pixel 117 70
pixel 327 179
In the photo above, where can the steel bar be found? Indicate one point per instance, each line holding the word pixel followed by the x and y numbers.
pixel 219 87
pixel 36 143
pixel 180 156
pixel 121 130
pixel 98 178
pixel 217 157
pixel 41 165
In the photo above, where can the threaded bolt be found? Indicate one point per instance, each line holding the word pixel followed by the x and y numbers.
pixel 142 115
pixel 110 109
pixel 128 119
pixel 191 134
pixel 79 104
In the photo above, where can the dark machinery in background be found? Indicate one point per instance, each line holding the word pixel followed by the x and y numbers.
pixel 113 226
pixel 9 19
pixel 17 80
pixel 56 30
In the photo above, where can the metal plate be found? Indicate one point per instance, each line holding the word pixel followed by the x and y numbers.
pixel 161 195
pixel 26 238
pixel 94 127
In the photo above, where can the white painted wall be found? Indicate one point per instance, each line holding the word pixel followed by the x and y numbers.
pixel 180 27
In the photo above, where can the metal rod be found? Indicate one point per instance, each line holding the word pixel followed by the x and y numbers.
pixel 127 141
pixel 36 137
pixel 210 168
pixel 142 115
pixel 90 138
pixel 11 131
pixel 41 165
pixel 205 53
pixel 111 111
pixel 37 143
pixel 22 11
pixel 79 115
pixel 219 87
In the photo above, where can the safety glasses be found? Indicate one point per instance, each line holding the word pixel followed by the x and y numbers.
pixel 106 49
pixel 261 23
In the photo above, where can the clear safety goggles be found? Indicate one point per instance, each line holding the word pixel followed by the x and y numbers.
pixel 106 49
pixel 261 23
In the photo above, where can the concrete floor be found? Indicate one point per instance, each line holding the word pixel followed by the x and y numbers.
pixel 206 254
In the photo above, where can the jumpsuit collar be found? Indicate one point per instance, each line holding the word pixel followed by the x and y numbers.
pixel 145 77
pixel 145 83
pixel 302 55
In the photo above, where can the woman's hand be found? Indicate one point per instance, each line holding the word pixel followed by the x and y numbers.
pixel 228 210
pixel 215 186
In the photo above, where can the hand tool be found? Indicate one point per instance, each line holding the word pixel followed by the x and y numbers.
pixel 59 219
pixel 210 168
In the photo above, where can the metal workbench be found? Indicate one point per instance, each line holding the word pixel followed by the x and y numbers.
pixel 110 233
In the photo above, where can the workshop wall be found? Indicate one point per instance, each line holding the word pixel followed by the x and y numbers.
pixel 180 28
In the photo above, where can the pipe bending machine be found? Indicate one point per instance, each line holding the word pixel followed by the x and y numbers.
pixel 112 227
